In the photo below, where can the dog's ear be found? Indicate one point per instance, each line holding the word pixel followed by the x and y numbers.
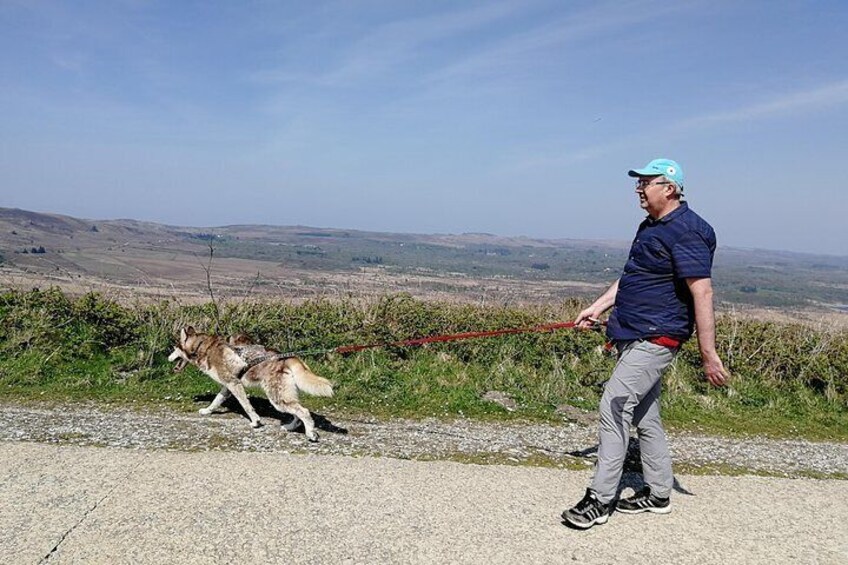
pixel 240 339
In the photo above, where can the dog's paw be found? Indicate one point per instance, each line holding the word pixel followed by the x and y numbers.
pixel 312 436
pixel 204 411
pixel 256 424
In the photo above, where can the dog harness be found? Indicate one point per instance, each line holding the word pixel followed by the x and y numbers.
pixel 255 354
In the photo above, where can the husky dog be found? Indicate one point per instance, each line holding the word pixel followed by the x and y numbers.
pixel 280 378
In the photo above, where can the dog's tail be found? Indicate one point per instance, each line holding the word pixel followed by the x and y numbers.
pixel 306 380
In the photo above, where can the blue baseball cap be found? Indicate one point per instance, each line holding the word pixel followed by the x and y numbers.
pixel 665 167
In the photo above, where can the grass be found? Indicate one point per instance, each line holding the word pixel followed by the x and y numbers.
pixel 788 380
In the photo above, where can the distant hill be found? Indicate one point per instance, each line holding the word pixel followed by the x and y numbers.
pixel 158 260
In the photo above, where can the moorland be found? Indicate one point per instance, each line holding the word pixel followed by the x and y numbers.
pixel 128 258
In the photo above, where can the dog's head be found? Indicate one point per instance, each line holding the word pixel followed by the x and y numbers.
pixel 182 351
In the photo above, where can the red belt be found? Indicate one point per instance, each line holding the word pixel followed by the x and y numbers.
pixel 666 341
pixel 662 340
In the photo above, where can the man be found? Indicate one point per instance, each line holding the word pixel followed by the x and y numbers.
pixel 664 291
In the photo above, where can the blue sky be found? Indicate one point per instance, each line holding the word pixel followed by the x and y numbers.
pixel 512 117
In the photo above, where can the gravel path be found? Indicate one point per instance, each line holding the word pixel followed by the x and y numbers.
pixel 569 445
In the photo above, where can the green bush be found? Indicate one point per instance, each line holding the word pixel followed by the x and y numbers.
pixel 784 375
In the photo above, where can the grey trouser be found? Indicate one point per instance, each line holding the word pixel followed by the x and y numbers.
pixel 632 396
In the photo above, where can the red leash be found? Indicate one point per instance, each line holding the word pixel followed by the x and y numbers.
pixel 438 339
pixel 457 337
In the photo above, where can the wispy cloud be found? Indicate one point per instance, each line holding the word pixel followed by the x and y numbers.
pixel 787 104
pixel 388 46
pixel 396 42
pixel 69 61
pixel 515 63
pixel 599 20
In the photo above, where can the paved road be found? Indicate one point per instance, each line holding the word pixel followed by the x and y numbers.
pixel 67 504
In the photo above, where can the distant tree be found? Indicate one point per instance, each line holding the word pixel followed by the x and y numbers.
pixel 377 260
pixel 94 229
pixel 540 266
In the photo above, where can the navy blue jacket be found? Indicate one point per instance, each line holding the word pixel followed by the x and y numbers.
pixel 653 298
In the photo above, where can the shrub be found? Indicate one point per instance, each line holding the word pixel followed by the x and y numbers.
pixel 46 336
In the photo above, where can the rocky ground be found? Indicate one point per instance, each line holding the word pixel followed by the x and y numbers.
pixel 569 444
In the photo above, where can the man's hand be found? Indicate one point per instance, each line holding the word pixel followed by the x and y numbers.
pixel 588 318
pixel 702 294
pixel 715 371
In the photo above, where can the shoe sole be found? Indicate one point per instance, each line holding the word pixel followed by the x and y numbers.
pixel 666 510
pixel 587 525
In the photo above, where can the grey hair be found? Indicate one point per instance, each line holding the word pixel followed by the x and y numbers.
pixel 678 190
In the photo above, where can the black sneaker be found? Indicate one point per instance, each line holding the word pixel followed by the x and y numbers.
pixel 587 512
pixel 644 501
